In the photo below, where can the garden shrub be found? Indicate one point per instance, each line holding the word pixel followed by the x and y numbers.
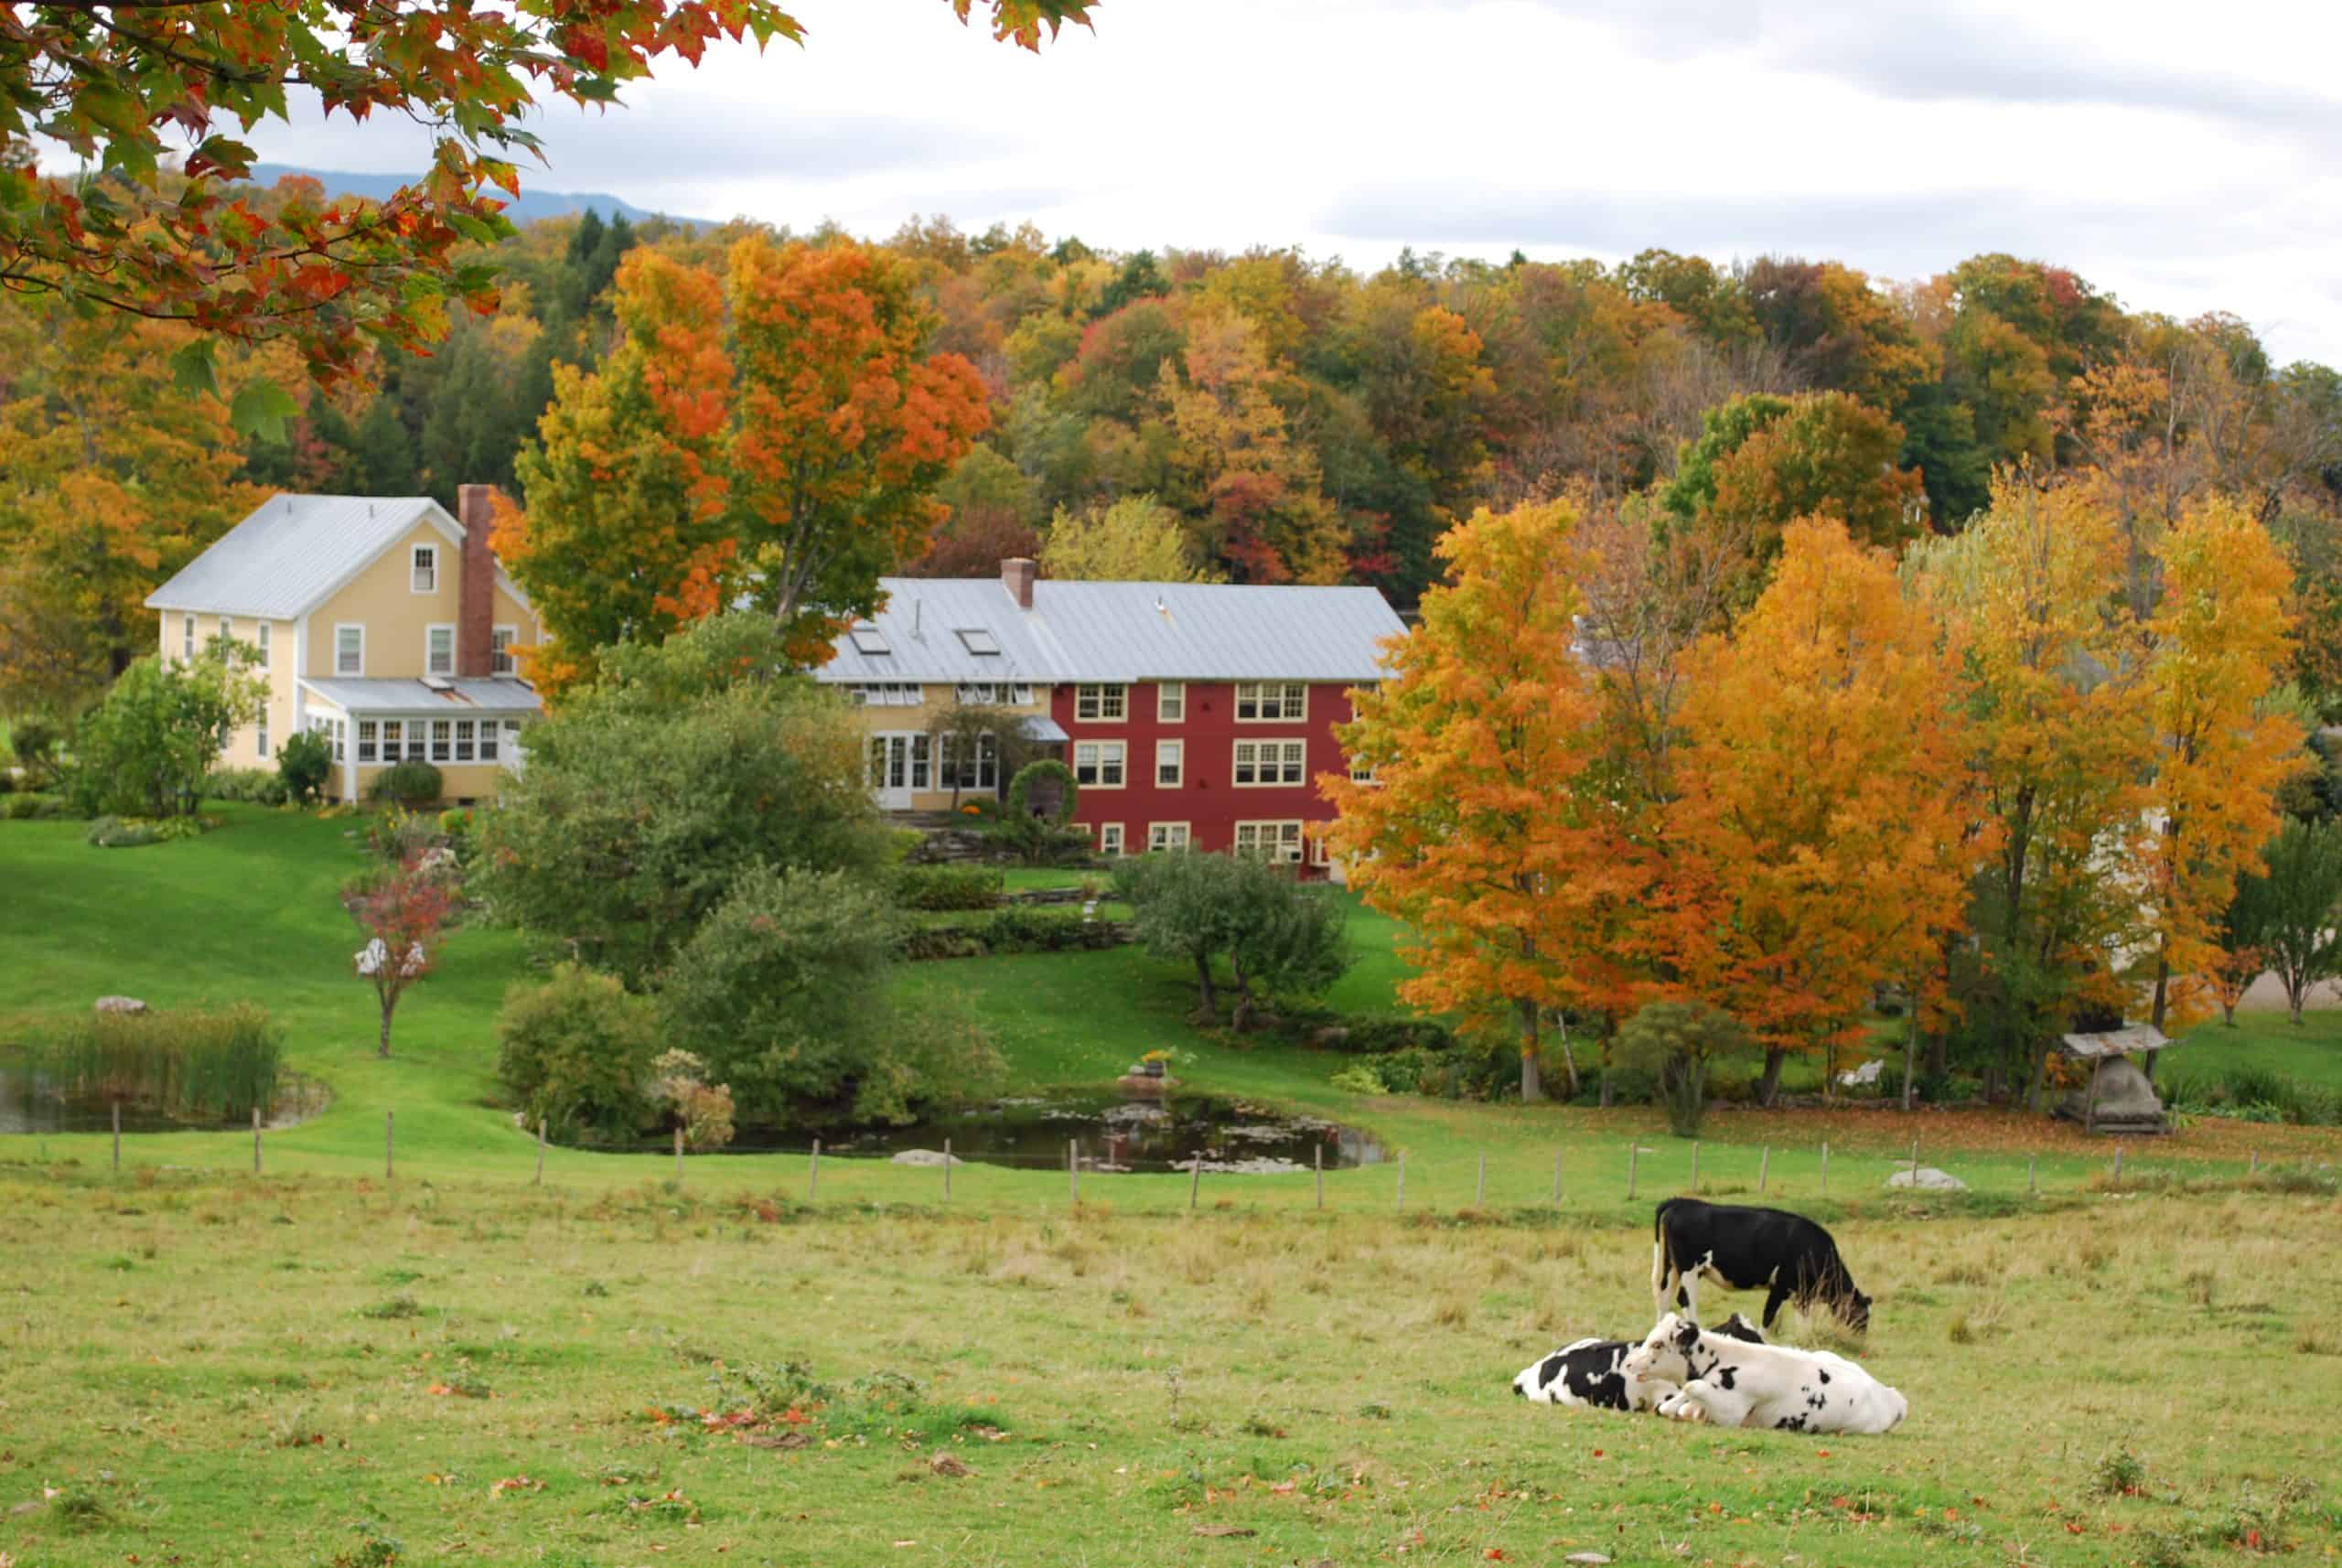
pixel 115 832
pixel 144 751
pixel 1359 1078
pixel 414 785
pixel 31 808
pixel 7 781
pixel 189 1063
pixel 576 1052
pixel 303 763
pixel 1682 1042
pixel 1012 930
pixel 37 741
pixel 260 786
pixel 936 887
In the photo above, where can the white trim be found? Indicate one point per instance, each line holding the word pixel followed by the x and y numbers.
pixel 1164 689
pixel 300 670
pixel 1101 688
pixel 1259 688
pixel 1186 836
pixel 1263 765
pixel 339 673
pixel 1273 829
pixel 1179 779
pixel 513 674
pixel 1123 760
pixel 1115 848
pixel 414 551
pixel 439 626
pixel 261 642
pixel 187 638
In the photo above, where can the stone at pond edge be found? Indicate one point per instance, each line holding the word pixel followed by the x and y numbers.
pixel 1928 1177
pixel 120 1005
pixel 929 1158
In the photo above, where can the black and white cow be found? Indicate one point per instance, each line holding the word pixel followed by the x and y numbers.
pixel 1734 1383
pixel 1591 1373
pixel 1748 1248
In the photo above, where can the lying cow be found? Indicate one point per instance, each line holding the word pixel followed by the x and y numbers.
pixel 1591 1373
pixel 1734 1383
pixel 1748 1248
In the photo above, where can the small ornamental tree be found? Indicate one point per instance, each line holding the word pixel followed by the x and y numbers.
pixel 1682 1042
pixel 304 762
pixel 404 918
pixel 146 749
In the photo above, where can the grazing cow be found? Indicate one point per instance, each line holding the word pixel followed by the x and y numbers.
pixel 1748 1248
pixel 1734 1383
pixel 1590 1373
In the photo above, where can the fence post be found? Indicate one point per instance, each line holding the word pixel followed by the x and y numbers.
pixel 1557 1179
pixel 1825 1170
pixel 2032 1187
pixel 1634 1154
pixel 1695 1167
pixel 813 1172
pixel 1764 1167
pixel 541 1151
pixel 947 1170
pixel 679 1154
pixel 1073 1167
pixel 1318 1153
pixel 1196 1179
pixel 1480 1187
pixel 2118 1165
pixel 255 1140
pixel 2251 1170
pixel 117 1137
pixel 389 1145
pixel 1915 1162
pixel 1402 1184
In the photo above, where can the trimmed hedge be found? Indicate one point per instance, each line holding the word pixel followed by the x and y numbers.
pixel 30 807
pixel 1012 929
pixel 410 784
pixel 934 887
pixel 262 784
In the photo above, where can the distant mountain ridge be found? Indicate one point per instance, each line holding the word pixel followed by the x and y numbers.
pixel 531 206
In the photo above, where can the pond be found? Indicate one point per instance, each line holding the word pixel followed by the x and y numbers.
pixel 1114 1133
pixel 29 1104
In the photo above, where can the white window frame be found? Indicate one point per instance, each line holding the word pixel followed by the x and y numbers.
pixel 1290 708
pixel 187 638
pixel 1171 702
pixel 1092 698
pixel 1271 761
pixel 1177 760
pixel 420 578
pixel 499 657
pixel 260 731
pixel 228 640
pixel 993 694
pixel 368 733
pixel 360 627
pixel 432 630
pixel 1321 852
pixel 260 641
pixel 443 739
pixel 1159 837
pixel 393 740
pixel 1362 772
pixel 490 732
pixel 1109 839
pixel 466 741
pixel 1279 842
pixel 1113 753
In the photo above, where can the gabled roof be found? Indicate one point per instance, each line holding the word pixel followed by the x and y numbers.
pixel 292 553
pixel 1119 632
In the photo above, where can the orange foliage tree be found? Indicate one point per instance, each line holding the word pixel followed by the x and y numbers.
pixel 1484 828
pixel 1820 845
pixel 773 435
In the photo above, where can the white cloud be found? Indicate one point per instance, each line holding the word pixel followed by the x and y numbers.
pixel 2183 162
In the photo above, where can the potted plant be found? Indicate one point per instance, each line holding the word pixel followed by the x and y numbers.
pixel 1151 1064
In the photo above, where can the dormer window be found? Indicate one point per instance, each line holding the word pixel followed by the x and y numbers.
pixel 426 569
pixel 977 640
pixel 869 639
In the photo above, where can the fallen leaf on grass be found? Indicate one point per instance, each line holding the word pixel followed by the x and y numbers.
pixel 781 1440
pixel 1219 1531
pixel 949 1464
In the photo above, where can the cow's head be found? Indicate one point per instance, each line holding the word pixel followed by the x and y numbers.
pixel 1856 1309
pixel 1665 1352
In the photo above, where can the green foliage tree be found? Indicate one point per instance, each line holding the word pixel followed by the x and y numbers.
pixel 2289 911
pixel 1682 1042
pixel 144 750
pixel 650 793
pixel 1136 539
pixel 1278 937
pixel 784 992
pixel 303 761
pixel 577 1053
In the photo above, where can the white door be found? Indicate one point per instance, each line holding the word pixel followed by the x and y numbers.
pixel 898 765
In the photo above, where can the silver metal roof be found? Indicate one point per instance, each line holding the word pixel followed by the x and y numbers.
pixel 293 551
pixel 2118 1042
pixel 463 696
pixel 1120 632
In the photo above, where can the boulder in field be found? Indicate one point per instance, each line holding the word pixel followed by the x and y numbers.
pixel 1928 1178
pixel 120 1005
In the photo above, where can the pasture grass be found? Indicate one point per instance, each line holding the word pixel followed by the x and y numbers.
pixel 210 1368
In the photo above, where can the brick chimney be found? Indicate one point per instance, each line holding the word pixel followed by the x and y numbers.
pixel 476 585
pixel 1016 575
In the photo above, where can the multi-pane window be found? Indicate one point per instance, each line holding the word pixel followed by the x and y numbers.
pixel 1170 701
pixel 336 731
pixel 1170 762
pixel 439 650
pixel 187 637
pixel 367 739
pixel 1361 771
pixel 350 651
pixel 391 739
pixel 227 640
pixel 1098 763
pixel 1109 838
pixel 443 740
pixel 980 771
pixel 488 728
pixel 1265 762
pixel 1271 702
pixel 1162 836
pixel 499 657
pixel 260 641
pixel 990 695
pixel 260 734
pixel 883 693
pixel 1269 841
pixel 426 568
pixel 1100 703
pixel 465 749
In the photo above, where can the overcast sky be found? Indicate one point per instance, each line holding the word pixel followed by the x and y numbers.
pixel 2187 157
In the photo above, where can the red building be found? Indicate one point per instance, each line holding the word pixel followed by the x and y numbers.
pixel 1192 714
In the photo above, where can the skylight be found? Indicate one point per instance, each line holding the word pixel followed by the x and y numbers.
pixel 870 639
pixel 976 639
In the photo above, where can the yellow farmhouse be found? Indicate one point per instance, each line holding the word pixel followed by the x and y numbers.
pixel 380 621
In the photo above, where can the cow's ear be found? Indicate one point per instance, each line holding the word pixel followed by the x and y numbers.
pixel 1687 1333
